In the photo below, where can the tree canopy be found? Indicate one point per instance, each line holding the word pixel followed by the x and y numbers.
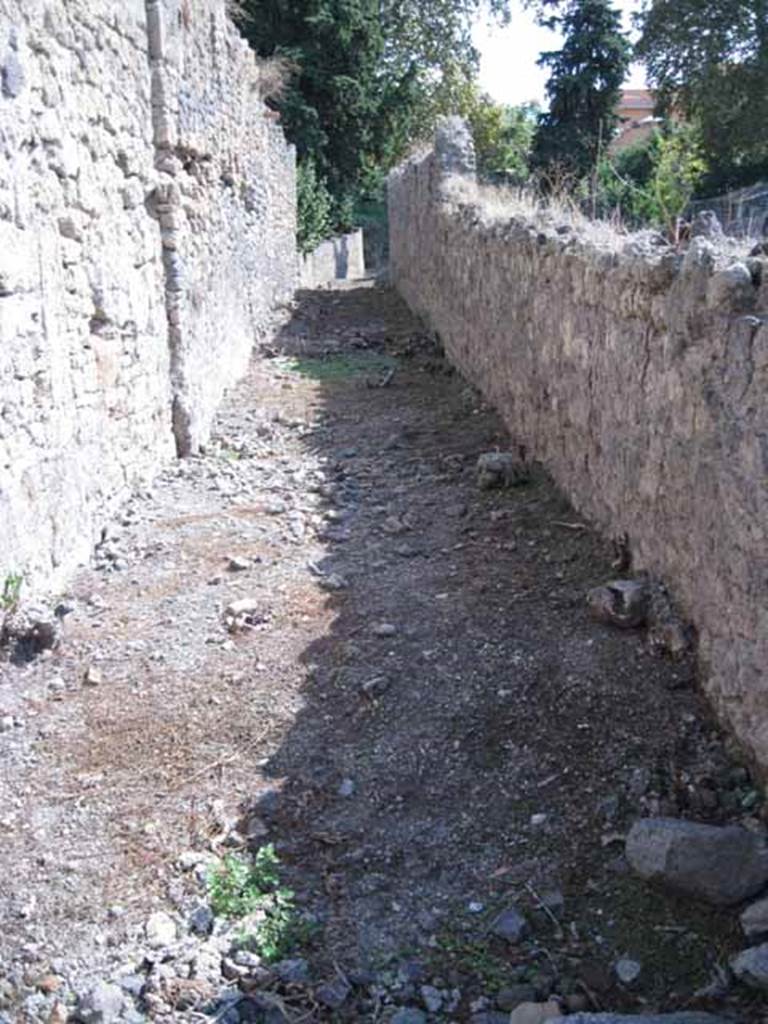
pixel 583 87
pixel 709 60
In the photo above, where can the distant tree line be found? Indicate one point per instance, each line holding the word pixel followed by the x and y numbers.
pixel 363 81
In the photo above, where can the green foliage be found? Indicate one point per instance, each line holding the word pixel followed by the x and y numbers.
pixel 678 169
pixel 9 598
pixel 652 183
pixel 314 207
pixel 583 88
pixel 238 889
pixel 371 77
pixel 709 61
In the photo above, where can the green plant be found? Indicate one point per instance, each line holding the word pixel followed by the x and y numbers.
pixel 314 207
pixel 679 168
pixel 238 888
pixel 9 599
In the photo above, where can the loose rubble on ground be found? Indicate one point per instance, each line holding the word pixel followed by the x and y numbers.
pixel 339 726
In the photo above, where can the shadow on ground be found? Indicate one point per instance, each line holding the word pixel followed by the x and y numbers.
pixel 469 739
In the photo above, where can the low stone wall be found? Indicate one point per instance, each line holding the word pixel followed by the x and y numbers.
pixel 146 234
pixel 337 259
pixel 635 374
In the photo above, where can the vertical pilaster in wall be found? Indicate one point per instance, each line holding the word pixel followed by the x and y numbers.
pixel 165 204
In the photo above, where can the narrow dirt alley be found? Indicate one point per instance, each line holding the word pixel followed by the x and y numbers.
pixel 412 705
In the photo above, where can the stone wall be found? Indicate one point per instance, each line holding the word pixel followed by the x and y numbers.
pixel 336 259
pixel 146 234
pixel 635 373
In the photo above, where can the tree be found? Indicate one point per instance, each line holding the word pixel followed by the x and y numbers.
pixel 709 60
pixel 652 182
pixel 371 77
pixel 583 88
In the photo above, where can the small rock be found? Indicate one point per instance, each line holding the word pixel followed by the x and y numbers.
pixel 432 998
pixel 721 864
pixel 623 603
pixel 384 629
pixel 347 787
pixel 408 1015
pixel 247 958
pixel 535 1013
pixel 292 972
pixel 49 983
pixel 245 606
pixel 160 930
pixel 93 676
pixel 751 967
pixel 754 920
pixel 332 582
pixel 6 723
pixel 333 994
pixel 510 998
pixel 537 820
pixel 627 970
pixel 101 1004
pixel 501 469
pixel 59 1014
pixel 237 564
pixel 510 925
pixel 375 687
pixel 201 920
pixel 681 1017
pixel 133 984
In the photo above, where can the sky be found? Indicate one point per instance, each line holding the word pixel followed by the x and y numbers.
pixel 508 55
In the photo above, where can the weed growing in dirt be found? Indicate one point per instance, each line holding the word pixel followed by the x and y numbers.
pixel 239 889
pixel 337 366
pixel 472 957
pixel 9 599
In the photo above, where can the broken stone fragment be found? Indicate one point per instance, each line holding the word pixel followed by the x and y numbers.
pixel 247 611
pixel 722 865
pixel 510 925
pixel 501 469
pixel 160 930
pixel 751 967
pixel 754 920
pixel 680 1017
pixel 535 1013
pixel 623 603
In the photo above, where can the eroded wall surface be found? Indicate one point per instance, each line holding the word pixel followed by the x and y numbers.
pixel 636 374
pixel 146 236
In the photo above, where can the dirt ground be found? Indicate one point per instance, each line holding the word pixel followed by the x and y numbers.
pixel 420 715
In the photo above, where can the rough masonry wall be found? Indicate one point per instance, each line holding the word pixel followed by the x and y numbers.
pixel 132 283
pixel 227 208
pixel 637 375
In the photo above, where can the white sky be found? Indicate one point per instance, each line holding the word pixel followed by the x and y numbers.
pixel 508 55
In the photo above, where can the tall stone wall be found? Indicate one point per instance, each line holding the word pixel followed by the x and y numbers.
pixel 146 234
pixel 636 374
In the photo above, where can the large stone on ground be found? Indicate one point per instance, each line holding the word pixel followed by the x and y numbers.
pixel 101 1004
pixel 501 469
pixel 751 967
pixel 754 920
pixel 535 1013
pixel 722 865
pixel 681 1017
